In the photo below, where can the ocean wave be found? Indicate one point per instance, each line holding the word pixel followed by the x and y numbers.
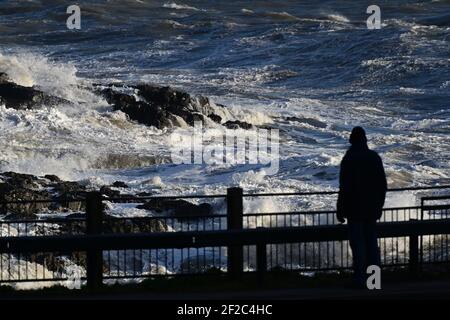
pixel 36 70
pixel 173 5
pixel 338 18
pixel 281 16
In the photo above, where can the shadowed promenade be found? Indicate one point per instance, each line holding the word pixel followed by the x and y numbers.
pixel 436 289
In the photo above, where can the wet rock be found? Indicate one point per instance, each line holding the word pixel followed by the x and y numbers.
pixel 68 191
pixel 144 194
pixel 119 184
pixel 52 178
pixel 4 78
pixel 19 187
pixel 137 225
pixel 311 121
pixel 19 97
pixel 236 124
pixel 216 118
pixel 55 261
pixel 20 216
pixel 199 264
pixel 164 106
pixel 113 224
pixel 20 180
pixel 15 192
pixel 176 207
pixel 107 191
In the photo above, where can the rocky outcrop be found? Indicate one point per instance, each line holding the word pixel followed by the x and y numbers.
pixel 236 124
pixel 119 184
pixel 19 187
pixel 19 97
pixel 200 264
pixel 22 187
pixel 113 224
pixel 176 207
pixel 137 225
pixel 160 106
pixel 311 121
pixel 149 104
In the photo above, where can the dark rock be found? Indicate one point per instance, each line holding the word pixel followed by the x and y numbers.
pixel 144 194
pixel 216 118
pixel 25 210
pixel 72 187
pixel 236 124
pixel 113 224
pixel 311 121
pixel 20 180
pixel 19 97
pixel 199 264
pixel 176 207
pixel 67 192
pixel 4 78
pixel 19 216
pixel 161 106
pixel 52 178
pixel 76 216
pixel 136 225
pixel 49 260
pixel 107 191
pixel 119 184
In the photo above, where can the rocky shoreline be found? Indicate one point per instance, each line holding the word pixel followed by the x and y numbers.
pixel 18 186
pixel 147 104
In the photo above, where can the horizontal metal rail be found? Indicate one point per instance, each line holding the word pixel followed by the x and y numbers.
pixel 166 240
pixel 140 198
pixel 310 193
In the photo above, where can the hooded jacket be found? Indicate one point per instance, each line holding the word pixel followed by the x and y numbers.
pixel 362 185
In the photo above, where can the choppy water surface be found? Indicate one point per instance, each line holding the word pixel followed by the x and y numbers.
pixel 267 60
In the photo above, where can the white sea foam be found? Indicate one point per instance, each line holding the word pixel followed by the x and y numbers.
pixel 173 5
pixel 338 17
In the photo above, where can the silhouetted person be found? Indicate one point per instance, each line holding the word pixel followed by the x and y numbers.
pixel 362 191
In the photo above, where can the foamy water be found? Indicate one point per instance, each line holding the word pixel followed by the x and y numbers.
pixel 312 71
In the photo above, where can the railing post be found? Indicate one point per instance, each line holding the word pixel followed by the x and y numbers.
pixel 234 222
pixel 413 252
pixel 261 261
pixel 94 216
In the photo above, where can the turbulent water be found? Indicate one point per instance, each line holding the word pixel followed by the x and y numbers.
pixel 266 60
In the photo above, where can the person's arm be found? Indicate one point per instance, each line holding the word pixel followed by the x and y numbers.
pixel 343 178
pixel 382 181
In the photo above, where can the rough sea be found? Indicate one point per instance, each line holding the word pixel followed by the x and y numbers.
pixel 311 69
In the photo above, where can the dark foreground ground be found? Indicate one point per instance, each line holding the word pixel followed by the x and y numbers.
pixel 399 284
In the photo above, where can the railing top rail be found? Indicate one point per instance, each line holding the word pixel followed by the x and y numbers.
pixel 336 192
pixel 197 216
pixel 57 200
pixel 139 199
pixel 323 211
pixel 437 207
pixel 213 238
pixel 431 198
pixel 174 217
pixel 273 194
pixel 45 220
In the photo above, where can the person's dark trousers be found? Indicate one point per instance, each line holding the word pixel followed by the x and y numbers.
pixel 364 245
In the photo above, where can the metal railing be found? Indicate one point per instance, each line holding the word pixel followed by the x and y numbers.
pixel 305 254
